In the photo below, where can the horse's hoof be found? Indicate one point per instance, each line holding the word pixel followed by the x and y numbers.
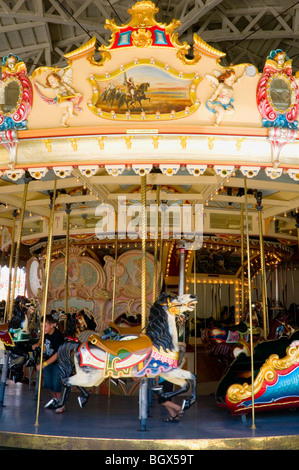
pixel 188 403
pixel 52 404
pixel 82 401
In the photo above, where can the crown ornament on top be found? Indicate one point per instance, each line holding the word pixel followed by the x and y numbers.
pixel 144 31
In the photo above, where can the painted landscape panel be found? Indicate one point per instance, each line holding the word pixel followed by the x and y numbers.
pixel 144 89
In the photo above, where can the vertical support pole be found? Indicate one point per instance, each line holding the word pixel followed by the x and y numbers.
pixel 250 304
pixel 242 266
pixel 66 259
pixel 182 269
pixel 113 299
pixel 143 403
pixel 3 378
pixel 276 300
pixel 259 208
pixel 12 252
pixel 156 273
pixel 195 316
pixel 163 210
pixel 181 290
pixel 143 244
pixel 114 279
pixel 20 228
pixel 46 288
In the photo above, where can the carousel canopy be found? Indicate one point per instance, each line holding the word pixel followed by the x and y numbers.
pixel 98 143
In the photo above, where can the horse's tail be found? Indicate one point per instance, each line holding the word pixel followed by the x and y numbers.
pixel 64 358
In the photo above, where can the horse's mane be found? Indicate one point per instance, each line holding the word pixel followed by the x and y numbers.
pixel 18 314
pixel 158 328
pixel 72 323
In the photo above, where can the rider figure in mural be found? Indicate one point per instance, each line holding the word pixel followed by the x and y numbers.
pixel 131 87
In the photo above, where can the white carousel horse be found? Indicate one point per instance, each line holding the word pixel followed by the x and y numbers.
pixel 149 355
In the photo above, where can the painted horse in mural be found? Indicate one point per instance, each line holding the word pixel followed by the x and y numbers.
pixel 130 99
pixel 149 355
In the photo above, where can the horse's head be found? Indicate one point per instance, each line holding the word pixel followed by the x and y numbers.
pixel 81 321
pixel 181 305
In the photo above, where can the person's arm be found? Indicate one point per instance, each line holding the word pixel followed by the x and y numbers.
pixel 50 360
pixel 36 345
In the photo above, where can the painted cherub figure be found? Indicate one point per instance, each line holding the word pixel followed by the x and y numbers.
pixel 221 102
pixel 67 99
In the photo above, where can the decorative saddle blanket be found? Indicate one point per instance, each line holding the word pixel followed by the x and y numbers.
pixel 115 356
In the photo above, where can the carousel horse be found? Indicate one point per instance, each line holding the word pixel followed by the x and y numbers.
pixel 226 342
pixel 79 326
pixel 149 355
pixel 280 326
pixel 15 337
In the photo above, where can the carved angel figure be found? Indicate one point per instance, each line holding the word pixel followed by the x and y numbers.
pixel 66 98
pixel 222 99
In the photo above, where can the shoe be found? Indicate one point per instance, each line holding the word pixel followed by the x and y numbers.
pixel 60 409
pixel 51 404
pixel 172 419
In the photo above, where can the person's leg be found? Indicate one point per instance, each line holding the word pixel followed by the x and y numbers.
pixel 57 386
pixel 174 410
pixel 48 385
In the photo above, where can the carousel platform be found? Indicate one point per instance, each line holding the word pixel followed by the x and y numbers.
pixel 112 424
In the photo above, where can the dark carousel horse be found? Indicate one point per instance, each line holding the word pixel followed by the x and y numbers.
pixel 149 355
pixel 280 326
pixel 226 342
pixel 18 329
pixel 79 325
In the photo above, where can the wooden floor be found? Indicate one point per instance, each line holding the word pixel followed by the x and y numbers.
pixel 112 423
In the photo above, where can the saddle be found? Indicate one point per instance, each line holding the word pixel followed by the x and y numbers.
pixel 126 330
pixel 5 336
pixel 142 344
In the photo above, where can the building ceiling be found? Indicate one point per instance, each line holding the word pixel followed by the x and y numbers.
pixel 40 32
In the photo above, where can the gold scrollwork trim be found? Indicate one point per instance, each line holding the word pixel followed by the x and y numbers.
pixel 170 354
pixel 237 392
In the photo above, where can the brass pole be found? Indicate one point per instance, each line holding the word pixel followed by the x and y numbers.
pixel 12 251
pixel 114 280
pixel 163 209
pixel 195 317
pixel 143 244
pixel 242 264
pixel 259 208
pixel 155 277
pixel 250 305
pixel 20 228
pixel 46 287
pixel 66 259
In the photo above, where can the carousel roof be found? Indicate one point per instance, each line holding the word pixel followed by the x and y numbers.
pixel 42 32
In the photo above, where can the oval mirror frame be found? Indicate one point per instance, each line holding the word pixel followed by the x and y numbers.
pixel 10 108
pixel 280 93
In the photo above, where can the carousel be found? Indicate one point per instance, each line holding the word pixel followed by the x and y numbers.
pixel 146 180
